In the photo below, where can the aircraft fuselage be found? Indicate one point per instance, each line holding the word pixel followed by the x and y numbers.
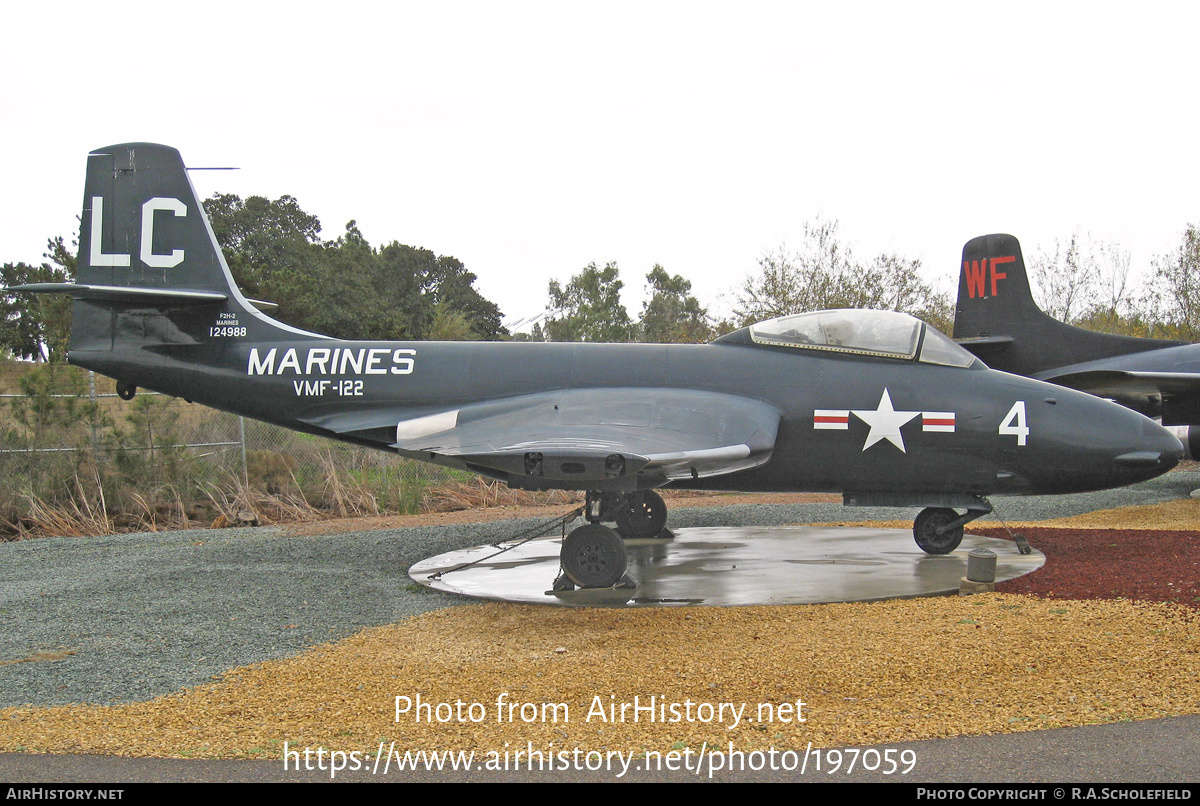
pixel 944 429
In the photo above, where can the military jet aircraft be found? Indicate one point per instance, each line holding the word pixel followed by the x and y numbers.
pixel 997 320
pixel 876 405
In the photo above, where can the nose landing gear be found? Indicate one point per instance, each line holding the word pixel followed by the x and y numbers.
pixel 939 530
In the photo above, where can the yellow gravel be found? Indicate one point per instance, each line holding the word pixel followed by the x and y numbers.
pixel 865 673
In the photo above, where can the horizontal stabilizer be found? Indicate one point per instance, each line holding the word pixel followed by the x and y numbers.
pixel 1117 384
pixel 135 294
pixel 988 349
pixel 986 341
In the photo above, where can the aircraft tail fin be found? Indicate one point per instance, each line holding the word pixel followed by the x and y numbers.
pixel 150 270
pixel 993 288
pixel 997 318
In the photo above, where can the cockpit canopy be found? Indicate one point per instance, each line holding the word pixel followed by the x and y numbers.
pixel 882 334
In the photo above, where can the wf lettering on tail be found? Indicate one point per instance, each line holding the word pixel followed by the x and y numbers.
pixel 977 272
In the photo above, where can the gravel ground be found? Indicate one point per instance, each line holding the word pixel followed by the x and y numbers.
pixel 130 618
pixel 835 675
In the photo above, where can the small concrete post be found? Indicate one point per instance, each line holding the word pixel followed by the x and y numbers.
pixel 981 565
pixel 981 573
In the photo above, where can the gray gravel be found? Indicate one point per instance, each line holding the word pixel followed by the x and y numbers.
pixel 132 617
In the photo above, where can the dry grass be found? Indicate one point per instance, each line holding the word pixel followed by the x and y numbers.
pixel 85 513
pixel 482 494
pixel 228 502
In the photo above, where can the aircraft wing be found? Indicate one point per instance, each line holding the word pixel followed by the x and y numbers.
pixel 597 435
pixel 1127 385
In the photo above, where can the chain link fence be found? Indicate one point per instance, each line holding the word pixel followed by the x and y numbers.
pixel 69 443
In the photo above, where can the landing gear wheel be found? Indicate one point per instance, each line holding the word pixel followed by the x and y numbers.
pixel 593 556
pixel 925 531
pixel 641 514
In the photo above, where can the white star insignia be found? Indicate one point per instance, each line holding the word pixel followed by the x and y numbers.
pixel 885 422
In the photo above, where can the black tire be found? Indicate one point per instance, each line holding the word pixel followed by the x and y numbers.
pixel 641 514
pixel 925 531
pixel 593 556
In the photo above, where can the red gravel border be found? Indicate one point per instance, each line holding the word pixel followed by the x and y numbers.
pixel 1146 565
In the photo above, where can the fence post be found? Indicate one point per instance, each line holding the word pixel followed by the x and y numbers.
pixel 242 439
pixel 95 413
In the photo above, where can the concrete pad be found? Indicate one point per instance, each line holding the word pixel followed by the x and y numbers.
pixel 725 566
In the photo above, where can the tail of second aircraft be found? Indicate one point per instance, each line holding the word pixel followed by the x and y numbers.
pixel 997 319
pixel 151 278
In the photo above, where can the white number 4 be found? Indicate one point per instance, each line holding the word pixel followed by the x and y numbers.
pixel 1014 423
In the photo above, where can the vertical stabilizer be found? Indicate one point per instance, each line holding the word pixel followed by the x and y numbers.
pixel 146 242
pixel 994 297
pixel 143 227
pixel 150 272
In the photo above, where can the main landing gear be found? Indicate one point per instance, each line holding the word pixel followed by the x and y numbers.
pixel 939 530
pixel 593 555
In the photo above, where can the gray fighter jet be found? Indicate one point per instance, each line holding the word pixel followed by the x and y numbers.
pixel 876 405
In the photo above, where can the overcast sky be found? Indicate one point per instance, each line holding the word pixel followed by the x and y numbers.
pixel 529 139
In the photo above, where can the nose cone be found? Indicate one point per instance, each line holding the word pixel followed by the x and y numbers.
pixel 1094 444
pixel 1158 451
